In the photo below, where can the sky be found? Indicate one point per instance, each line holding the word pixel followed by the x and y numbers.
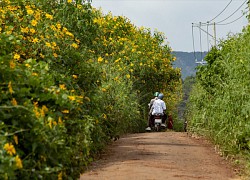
pixel 175 17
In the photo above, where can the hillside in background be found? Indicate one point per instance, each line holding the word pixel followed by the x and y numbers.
pixel 186 61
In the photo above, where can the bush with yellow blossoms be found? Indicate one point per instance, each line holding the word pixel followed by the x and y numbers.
pixel 71 79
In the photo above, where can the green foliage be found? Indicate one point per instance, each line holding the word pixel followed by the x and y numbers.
pixel 71 79
pixel 219 103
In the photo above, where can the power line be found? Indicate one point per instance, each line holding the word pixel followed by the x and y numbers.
pixel 221 11
pixel 206 32
pixel 233 12
pixel 219 23
pixel 234 20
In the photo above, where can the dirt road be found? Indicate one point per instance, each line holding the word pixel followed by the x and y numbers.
pixel 158 156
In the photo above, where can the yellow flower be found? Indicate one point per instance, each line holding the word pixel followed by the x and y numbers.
pixel 35 40
pixel 69 1
pixel 32 30
pixel 15 139
pixel 41 55
pixel 13 102
pixel 74 45
pixel 25 30
pixel 34 74
pixel 53 44
pixel 72 98
pixel 35 104
pixel 33 22
pixel 48 16
pixel 69 34
pixel 30 11
pixel 37 113
pixel 77 40
pixel 19 163
pixel 48 44
pixel 58 25
pixel 128 76
pixel 79 6
pixel 65 111
pixel 16 56
pixel 27 65
pixel 116 78
pixel 37 15
pixel 104 90
pixel 100 59
pixel 9 148
pixel 10 88
pixel 59 177
pixel 104 116
pixel 60 121
pixel 55 55
pixel 50 119
pixel 74 76
pixel 117 60
pixel 8 32
pixel 12 64
pixel 44 110
pixel 62 86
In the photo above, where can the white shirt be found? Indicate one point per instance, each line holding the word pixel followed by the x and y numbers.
pixel 150 105
pixel 158 107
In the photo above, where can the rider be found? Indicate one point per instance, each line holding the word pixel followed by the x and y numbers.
pixel 152 101
pixel 150 117
pixel 159 107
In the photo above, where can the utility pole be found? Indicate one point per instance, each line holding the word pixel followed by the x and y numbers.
pixel 248 16
pixel 214 35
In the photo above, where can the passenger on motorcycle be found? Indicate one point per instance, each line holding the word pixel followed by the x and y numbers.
pixel 158 107
pixel 150 124
pixel 152 101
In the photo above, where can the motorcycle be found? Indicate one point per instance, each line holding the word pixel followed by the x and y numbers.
pixel 158 125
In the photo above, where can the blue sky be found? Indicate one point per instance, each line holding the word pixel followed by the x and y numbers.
pixel 175 17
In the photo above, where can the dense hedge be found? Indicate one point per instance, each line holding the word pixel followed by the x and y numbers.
pixel 71 78
pixel 219 104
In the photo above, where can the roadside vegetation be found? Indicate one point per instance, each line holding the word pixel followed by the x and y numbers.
pixel 71 79
pixel 219 104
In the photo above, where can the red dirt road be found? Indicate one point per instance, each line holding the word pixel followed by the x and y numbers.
pixel 157 156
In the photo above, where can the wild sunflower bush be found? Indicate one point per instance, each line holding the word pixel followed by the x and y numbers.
pixel 71 79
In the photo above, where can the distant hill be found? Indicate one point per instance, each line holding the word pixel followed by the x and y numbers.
pixel 186 61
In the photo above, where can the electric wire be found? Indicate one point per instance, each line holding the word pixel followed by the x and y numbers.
pixel 234 20
pixel 221 11
pixel 207 33
pixel 219 23
pixel 209 23
pixel 232 13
